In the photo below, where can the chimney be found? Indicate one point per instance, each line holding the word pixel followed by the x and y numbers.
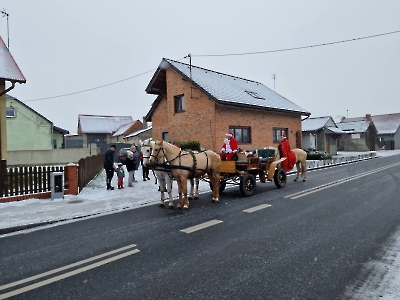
pixel 368 117
pixel 144 123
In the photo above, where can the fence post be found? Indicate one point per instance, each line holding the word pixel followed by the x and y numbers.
pixel 71 172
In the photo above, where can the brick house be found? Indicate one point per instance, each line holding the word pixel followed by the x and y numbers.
pixel 198 104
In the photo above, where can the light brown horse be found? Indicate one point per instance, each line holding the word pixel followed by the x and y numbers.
pixel 185 165
pixel 301 158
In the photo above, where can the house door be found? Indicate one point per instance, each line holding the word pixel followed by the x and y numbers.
pixel 298 139
pixel 328 144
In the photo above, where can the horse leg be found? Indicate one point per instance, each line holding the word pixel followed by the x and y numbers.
pixel 180 192
pixel 186 200
pixel 161 187
pixel 215 183
pixel 297 170
pixel 196 192
pixel 191 193
pixel 169 189
pixel 304 170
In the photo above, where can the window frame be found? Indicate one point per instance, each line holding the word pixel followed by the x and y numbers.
pixel 179 103
pixel 277 134
pixel 8 109
pixel 239 139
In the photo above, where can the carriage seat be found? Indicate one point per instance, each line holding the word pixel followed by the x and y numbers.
pixel 263 154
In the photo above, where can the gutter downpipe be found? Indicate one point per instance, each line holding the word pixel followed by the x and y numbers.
pixel 1 143
pixel 9 89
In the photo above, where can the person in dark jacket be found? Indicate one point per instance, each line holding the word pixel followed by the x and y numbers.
pixel 145 169
pixel 130 167
pixel 136 157
pixel 109 166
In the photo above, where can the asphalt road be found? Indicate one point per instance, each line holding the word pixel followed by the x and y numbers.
pixel 308 245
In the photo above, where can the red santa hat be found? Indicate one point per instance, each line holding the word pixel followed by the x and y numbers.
pixel 283 136
pixel 230 134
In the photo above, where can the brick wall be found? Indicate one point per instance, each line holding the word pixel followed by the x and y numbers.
pixel 207 122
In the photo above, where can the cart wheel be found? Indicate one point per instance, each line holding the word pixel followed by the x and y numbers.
pixel 247 185
pixel 280 178
pixel 222 186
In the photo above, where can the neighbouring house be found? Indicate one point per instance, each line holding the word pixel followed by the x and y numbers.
pixel 321 134
pixel 197 104
pixel 358 136
pixel 105 130
pixel 388 127
pixel 9 72
pixel 29 130
pixel 142 134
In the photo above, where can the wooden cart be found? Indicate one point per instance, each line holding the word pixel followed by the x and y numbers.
pixel 246 171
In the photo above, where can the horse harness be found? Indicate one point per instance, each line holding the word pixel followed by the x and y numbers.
pixel 166 166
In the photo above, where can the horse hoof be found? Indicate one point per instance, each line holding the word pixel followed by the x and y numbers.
pixel 185 207
pixel 196 198
pixel 190 198
pixel 170 206
pixel 295 179
pixel 161 205
pixel 304 179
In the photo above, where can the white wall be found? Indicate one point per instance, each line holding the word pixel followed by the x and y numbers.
pixel 48 157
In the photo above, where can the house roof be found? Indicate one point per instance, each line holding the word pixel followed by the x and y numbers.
pixel 56 128
pixel 60 130
pixel 123 129
pixel 385 124
pixel 314 124
pixel 223 88
pixel 354 127
pixel 138 132
pixel 102 124
pixel 9 69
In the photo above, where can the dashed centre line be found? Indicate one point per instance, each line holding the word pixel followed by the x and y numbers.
pixel 334 183
pixel 255 208
pixel 201 226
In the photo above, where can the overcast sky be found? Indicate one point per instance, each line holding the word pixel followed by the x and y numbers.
pixel 69 46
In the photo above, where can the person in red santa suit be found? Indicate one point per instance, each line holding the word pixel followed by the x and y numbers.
pixel 285 151
pixel 229 148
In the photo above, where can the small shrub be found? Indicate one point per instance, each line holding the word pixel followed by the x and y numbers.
pixel 192 145
pixel 317 155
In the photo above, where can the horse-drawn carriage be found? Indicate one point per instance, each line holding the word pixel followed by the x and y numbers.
pixel 261 164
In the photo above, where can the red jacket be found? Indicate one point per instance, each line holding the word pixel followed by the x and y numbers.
pixel 233 145
pixel 290 160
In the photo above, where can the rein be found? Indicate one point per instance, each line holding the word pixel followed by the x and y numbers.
pixel 168 167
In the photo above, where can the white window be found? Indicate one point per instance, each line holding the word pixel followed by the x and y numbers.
pixel 10 112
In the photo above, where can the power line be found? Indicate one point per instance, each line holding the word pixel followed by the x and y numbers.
pixel 210 55
pixel 298 48
pixel 91 89
pixel 95 88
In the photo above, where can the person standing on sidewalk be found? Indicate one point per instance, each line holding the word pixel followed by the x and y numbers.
pixel 136 157
pixel 130 167
pixel 145 169
pixel 121 175
pixel 109 166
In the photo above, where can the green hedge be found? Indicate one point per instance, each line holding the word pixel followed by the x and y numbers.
pixel 192 145
pixel 317 155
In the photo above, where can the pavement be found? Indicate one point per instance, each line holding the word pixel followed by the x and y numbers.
pixel 95 200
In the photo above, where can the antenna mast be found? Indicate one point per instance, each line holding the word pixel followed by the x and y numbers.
pixel 273 75
pixel 6 14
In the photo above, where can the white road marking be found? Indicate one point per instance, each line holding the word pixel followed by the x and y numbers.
pixel 66 267
pixel 255 208
pixel 201 226
pixel 334 183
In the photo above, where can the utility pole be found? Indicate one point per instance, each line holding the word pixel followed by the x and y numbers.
pixel 6 14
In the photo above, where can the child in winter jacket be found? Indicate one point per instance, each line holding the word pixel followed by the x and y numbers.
pixel 121 175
